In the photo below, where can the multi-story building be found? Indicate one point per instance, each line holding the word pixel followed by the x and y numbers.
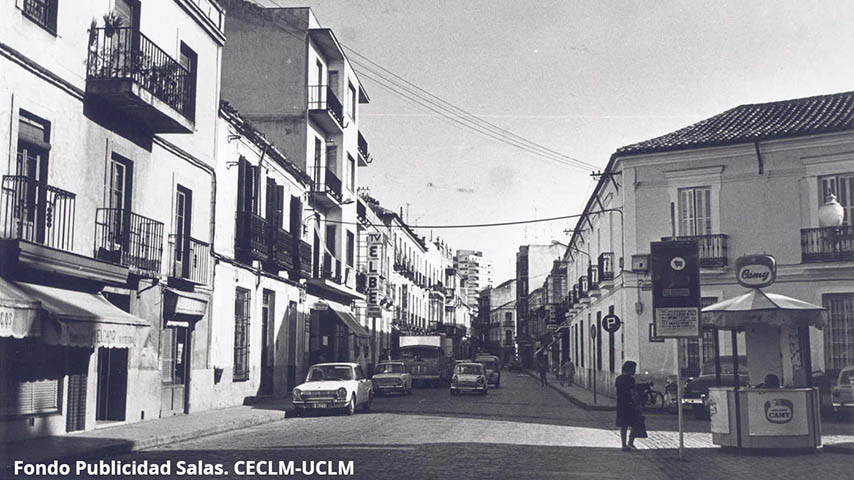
pixel 533 263
pixel 502 320
pixel 749 180
pixel 259 309
pixel 307 102
pixel 107 218
pixel 477 272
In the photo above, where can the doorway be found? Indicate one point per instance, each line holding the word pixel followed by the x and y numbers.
pixel 175 368
pixel 78 368
pixel 268 316
pixel 112 384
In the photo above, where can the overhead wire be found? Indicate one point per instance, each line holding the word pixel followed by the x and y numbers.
pixel 479 225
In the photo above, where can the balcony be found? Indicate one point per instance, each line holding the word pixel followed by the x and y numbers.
pixel 583 299
pixel 606 270
pixel 331 268
pixel 593 282
pixel 189 259
pixel 128 239
pixel 828 244
pixel 252 241
pixel 362 147
pixel 326 190
pixel 37 212
pixel 282 249
pixel 325 109
pixel 132 74
pixel 712 249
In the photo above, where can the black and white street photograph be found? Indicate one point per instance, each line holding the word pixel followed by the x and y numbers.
pixel 434 239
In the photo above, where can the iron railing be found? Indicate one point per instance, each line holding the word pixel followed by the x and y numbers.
pixel 712 249
pixel 43 12
pixel 827 244
pixel 252 239
pixel 282 249
pixel 593 277
pixel 189 259
pixel 126 238
pixel 606 266
pixel 362 145
pixel 37 212
pixel 331 268
pixel 123 53
pixel 326 181
pixel 321 97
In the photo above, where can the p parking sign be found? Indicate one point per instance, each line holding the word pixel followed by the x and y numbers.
pixel 675 267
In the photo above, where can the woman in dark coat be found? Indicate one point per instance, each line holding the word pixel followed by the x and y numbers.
pixel 626 410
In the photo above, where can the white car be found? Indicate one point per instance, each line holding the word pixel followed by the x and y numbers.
pixel 842 395
pixel 338 386
pixel 468 377
pixel 392 376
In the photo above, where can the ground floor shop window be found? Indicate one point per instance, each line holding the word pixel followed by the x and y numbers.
pixel 839 333
pixel 30 377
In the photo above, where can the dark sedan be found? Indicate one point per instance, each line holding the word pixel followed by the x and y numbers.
pixel 696 392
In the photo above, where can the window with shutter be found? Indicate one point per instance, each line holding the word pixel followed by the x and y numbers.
pixel 241 335
pixel 695 211
pixel 839 333
pixel 30 375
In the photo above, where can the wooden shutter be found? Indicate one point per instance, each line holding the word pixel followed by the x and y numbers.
pixel 167 355
pixel 242 167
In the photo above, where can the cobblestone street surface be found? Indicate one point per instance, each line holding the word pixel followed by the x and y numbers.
pixel 521 430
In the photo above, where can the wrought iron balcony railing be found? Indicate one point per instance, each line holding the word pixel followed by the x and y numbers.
pixel 828 244
pixel 36 212
pixel 304 259
pixel 321 97
pixel 252 239
pixel 593 277
pixel 126 238
pixel 189 259
pixel 331 268
pixel 124 53
pixel 282 249
pixel 712 249
pixel 362 147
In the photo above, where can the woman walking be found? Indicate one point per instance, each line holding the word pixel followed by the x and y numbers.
pixel 627 412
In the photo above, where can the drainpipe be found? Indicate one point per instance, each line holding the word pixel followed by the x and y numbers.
pixel 759 158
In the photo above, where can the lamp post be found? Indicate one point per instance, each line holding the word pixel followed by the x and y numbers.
pixel 830 217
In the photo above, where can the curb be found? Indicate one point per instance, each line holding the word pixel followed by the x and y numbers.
pixel 843 448
pixel 575 401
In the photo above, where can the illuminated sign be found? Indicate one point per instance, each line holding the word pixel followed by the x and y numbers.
pixel 374 268
pixel 756 271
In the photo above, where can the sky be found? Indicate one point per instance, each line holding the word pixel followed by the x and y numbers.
pixel 582 78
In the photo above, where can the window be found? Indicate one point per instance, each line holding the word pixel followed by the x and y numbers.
pixel 241 335
pixel 351 174
pixel 695 211
pixel 508 317
pixel 173 357
pixel 352 100
pixel 189 60
pixel 30 376
pixel 31 168
pixel 183 216
pixel 839 333
pixel 840 185
pixel 351 248
pixel 248 186
pixel 42 13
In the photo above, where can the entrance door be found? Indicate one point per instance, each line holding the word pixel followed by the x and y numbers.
pixel 267 321
pixel 112 384
pixel 175 348
pixel 292 344
pixel 78 369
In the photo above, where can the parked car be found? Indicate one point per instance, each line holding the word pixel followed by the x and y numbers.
pixel 390 376
pixel 842 395
pixel 334 386
pixel 492 364
pixel 696 392
pixel 469 377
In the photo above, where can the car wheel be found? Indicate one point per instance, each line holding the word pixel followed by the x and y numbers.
pixel 485 391
pixel 298 412
pixel 350 409
pixel 367 406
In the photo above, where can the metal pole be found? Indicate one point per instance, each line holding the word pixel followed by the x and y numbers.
pixel 679 399
pixel 734 337
pixel 593 368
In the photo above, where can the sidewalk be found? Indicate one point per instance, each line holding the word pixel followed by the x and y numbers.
pixel 578 395
pixel 142 435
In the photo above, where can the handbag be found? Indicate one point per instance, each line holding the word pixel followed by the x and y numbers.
pixel 639 427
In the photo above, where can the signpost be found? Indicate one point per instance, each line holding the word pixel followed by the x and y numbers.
pixel 675 267
pixel 593 354
pixel 611 323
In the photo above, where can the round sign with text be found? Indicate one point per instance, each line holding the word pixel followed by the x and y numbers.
pixel 756 271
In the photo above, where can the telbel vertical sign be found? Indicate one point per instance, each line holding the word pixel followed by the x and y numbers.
pixel 675 270
pixel 375 258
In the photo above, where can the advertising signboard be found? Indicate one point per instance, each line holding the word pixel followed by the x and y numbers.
pixel 774 413
pixel 374 268
pixel 756 271
pixel 675 267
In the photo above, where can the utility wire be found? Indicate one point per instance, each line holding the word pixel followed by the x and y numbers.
pixel 479 225
pixel 465 112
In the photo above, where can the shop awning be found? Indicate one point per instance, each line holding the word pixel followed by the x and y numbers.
pixel 757 306
pixel 18 312
pixel 83 319
pixel 347 319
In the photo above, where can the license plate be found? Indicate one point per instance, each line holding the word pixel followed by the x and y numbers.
pixel 319 405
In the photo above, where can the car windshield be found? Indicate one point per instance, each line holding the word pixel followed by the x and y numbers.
pixel 469 369
pixel 845 377
pixel 319 373
pixel 489 364
pixel 390 368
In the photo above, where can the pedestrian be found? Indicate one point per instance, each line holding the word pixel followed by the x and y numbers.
pixel 627 411
pixel 570 372
pixel 543 366
pixel 564 371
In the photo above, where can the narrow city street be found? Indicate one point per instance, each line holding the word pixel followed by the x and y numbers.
pixel 520 430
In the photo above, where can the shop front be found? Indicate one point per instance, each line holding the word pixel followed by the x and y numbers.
pixel 181 311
